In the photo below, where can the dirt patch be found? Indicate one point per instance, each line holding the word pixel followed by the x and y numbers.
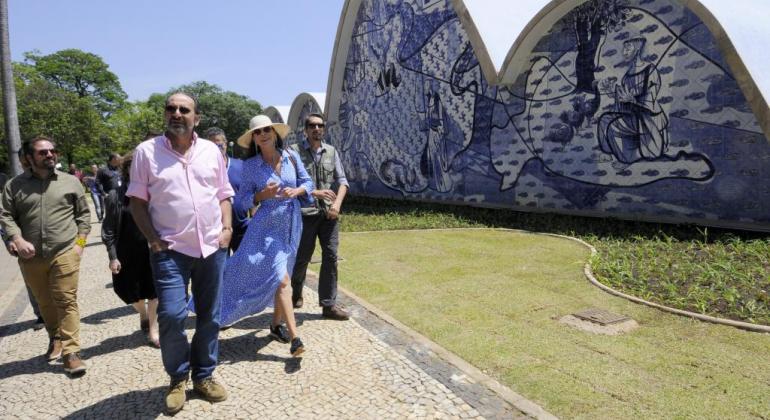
pixel 595 328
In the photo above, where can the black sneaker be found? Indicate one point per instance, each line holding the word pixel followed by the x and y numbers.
pixel 297 348
pixel 279 333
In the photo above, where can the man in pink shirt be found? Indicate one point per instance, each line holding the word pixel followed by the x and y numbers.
pixel 180 200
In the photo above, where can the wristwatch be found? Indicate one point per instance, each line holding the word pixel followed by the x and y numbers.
pixel 81 242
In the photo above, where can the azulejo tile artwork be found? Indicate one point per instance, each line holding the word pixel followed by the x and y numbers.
pixel 623 108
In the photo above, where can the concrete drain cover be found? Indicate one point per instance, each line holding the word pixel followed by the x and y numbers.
pixel 599 321
pixel 600 316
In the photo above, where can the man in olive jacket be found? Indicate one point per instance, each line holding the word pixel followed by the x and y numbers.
pixel 46 217
pixel 323 164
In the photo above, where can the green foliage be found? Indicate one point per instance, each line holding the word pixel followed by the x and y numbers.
pixel 82 73
pixel 128 126
pixel 224 109
pixel 73 97
pixel 45 109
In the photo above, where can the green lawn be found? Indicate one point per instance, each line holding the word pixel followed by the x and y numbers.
pixel 494 298
pixel 723 273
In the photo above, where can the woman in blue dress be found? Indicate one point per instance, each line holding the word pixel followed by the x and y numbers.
pixel 259 273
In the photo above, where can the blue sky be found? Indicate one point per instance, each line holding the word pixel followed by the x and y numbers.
pixel 268 50
pixel 273 50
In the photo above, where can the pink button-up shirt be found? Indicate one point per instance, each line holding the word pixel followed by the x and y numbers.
pixel 183 193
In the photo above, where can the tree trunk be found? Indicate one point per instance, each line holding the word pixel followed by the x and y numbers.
pixel 588 34
pixel 12 136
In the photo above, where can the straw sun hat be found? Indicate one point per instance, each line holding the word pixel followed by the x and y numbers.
pixel 262 121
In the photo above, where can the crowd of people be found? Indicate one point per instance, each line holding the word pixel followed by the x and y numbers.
pixel 187 228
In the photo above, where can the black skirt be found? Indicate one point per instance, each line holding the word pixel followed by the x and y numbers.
pixel 134 281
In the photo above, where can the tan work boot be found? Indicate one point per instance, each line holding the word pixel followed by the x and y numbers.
pixel 54 349
pixel 176 396
pixel 210 390
pixel 74 365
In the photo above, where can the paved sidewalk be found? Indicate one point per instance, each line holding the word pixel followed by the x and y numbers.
pixel 363 368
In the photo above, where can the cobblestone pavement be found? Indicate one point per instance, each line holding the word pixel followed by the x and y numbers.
pixel 363 368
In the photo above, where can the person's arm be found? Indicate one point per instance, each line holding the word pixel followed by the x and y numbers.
pixel 8 213
pixel 225 193
pixel 16 244
pixel 110 225
pixel 304 182
pixel 227 223
pixel 140 211
pixel 336 207
pixel 82 218
pixel 99 182
pixel 342 181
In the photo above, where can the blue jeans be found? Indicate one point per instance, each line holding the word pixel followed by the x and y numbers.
pixel 171 271
pixel 98 201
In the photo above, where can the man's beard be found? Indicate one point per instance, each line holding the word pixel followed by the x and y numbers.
pixel 41 164
pixel 178 129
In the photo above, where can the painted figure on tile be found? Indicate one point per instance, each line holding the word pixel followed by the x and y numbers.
pixel 637 128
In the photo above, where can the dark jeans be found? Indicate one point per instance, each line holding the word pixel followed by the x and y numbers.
pixel 328 233
pixel 98 205
pixel 171 271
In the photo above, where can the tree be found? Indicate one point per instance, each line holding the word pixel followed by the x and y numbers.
pixel 227 110
pixel 73 122
pixel 591 21
pixel 10 112
pixel 128 126
pixel 82 73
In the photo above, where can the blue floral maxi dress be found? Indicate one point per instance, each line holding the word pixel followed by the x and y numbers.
pixel 269 247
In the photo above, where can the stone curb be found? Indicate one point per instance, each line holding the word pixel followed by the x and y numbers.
pixel 516 400
pixel 528 407
pixel 705 318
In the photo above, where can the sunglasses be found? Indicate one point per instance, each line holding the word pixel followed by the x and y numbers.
pixel 312 126
pixel 45 152
pixel 182 109
pixel 265 130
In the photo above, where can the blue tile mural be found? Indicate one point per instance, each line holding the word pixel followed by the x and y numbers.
pixel 625 109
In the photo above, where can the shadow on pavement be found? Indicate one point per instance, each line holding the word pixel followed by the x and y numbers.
pixel 248 347
pixel 13 329
pixel 262 321
pixel 38 364
pixel 124 342
pixel 31 366
pixel 110 314
pixel 131 405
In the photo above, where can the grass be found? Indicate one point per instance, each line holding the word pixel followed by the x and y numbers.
pixel 718 272
pixel 494 297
